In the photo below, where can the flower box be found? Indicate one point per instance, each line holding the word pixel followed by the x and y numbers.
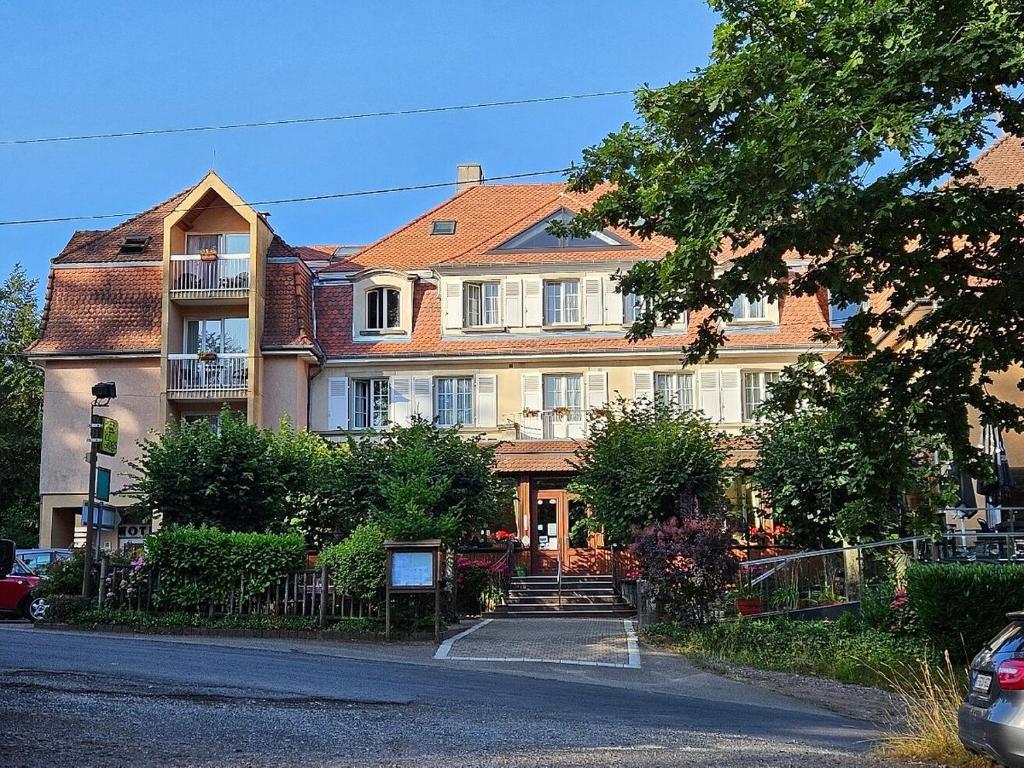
pixel 749 606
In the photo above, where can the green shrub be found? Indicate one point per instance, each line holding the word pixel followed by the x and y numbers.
pixel 961 607
pixel 200 567
pixel 64 577
pixel 844 650
pixel 357 564
pixel 144 620
pixel 66 609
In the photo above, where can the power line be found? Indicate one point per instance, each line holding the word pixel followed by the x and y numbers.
pixel 281 201
pixel 322 119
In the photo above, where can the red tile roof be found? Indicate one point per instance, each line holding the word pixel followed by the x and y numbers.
pixel 102 310
pixel 289 319
pixel 1001 165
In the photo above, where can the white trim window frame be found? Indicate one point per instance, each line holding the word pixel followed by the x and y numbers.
pixel 675 389
pixel 215 329
pixel 564 390
pixel 481 304
pixel 562 302
pixel 370 403
pixel 755 391
pixel 453 401
pixel 743 309
pixel 383 308
pixel 633 308
pixel 225 243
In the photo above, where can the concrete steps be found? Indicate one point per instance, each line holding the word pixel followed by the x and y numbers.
pixel 582 597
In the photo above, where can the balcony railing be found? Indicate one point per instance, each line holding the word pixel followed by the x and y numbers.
pixel 554 424
pixel 226 276
pixel 198 377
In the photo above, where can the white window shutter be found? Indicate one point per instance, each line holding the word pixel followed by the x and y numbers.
pixel 453 304
pixel 612 302
pixel 533 305
pixel 422 397
pixel 400 396
pixel 337 403
pixel 710 395
pixel 486 413
pixel 732 410
pixel 514 303
pixel 597 389
pixel 771 311
pixel 533 402
pixel 643 385
pixel 594 314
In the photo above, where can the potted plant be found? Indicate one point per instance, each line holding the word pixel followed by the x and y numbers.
pixel 561 412
pixel 207 357
pixel 530 413
pixel 748 600
pixel 208 254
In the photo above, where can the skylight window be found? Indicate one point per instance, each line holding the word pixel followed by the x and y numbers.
pixel 134 244
pixel 537 237
pixel 442 227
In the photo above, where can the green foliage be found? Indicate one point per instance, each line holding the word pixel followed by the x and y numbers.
pixel 358 563
pixel 961 607
pixel 648 462
pixel 826 129
pixel 143 621
pixel 64 577
pixel 21 392
pixel 67 609
pixel 842 650
pixel 839 463
pixel 199 567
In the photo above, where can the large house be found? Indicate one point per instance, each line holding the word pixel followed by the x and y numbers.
pixel 472 314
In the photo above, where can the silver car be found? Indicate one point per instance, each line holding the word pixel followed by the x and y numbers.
pixel 991 721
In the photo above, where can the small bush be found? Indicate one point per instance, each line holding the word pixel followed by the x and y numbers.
pixel 357 564
pixel 144 620
pixel 477 582
pixel 64 577
pixel 961 607
pixel 66 609
pixel 200 567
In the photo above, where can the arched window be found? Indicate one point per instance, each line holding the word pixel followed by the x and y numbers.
pixel 383 308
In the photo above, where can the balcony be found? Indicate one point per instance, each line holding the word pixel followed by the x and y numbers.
pixel 201 377
pixel 201 277
pixel 554 424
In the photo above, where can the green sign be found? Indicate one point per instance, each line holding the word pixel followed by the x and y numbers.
pixel 102 484
pixel 108 436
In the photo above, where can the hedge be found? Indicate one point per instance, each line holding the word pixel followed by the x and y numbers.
pixel 962 607
pixel 200 567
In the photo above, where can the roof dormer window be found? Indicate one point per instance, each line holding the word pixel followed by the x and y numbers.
pixel 134 244
pixel 383 309
pixel 538 238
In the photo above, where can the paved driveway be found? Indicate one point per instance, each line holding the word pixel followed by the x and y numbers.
pixel 586 642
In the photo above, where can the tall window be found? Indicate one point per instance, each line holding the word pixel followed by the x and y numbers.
pixel 370 403
pixel 633 307
pixel 675 388
pixel 383 308
pixel 229 243
pixel 225 335
pixel 480 304
pixel 748 309
pixel 561 302
pixel 454 401
pixel 838 313
pixel 563 395
pixel 755 390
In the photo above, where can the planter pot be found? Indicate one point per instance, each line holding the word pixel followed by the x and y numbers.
pixel 207 255
pixel 748 606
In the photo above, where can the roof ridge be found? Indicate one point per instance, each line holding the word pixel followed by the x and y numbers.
pixel 991 148
pixel 104 232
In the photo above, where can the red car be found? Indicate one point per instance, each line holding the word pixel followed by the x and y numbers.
pixel 16 593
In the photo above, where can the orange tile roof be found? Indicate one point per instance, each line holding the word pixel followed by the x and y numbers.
pixel 1001 165
pixel 289 319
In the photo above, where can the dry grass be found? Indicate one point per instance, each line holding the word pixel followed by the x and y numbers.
pixel 930 698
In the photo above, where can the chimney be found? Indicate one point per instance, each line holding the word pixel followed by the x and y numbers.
pixel 469 175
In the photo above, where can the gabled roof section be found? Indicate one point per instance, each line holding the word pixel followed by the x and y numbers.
pixel 1001 165
pixel 538 238
pixel 94 246
pixel 487 216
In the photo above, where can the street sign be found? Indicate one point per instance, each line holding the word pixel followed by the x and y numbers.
pixel 108 436
pixel 109 518
pixel 102 483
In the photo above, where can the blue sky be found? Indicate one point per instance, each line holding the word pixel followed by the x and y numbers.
pixel 69 68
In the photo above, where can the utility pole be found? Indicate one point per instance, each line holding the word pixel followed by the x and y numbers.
pixel 102 394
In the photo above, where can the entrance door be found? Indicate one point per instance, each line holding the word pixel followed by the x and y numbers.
pixel 554 515
pixel 548 514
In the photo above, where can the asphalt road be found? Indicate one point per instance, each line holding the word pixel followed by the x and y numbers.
pixel 87 700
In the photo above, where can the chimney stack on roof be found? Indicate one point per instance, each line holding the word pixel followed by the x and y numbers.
pixel 469 175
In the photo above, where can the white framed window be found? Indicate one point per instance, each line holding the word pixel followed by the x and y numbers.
pixel 211 420
pixel 454 401
pixel 228 243
pixel 563 395
pixel 480 304
pixel 838 313
pixel 370 403
pixel 633 308
pixel 675 389
pixel 755 390
pixel 744 308
pixel 561 302
pixel 222 335
pixel 383 309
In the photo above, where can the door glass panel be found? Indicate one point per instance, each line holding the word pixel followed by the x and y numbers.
pixel 236 334
pixel 236 243
pixel 547 524
pixel 579 534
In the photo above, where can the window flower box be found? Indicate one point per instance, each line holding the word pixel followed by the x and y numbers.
pixel 208 254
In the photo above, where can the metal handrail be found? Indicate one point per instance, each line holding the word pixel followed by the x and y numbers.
pixel 559 579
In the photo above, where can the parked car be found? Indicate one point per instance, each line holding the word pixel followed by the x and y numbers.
pixel 39 559
pixel 17 593
pixel 991 721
